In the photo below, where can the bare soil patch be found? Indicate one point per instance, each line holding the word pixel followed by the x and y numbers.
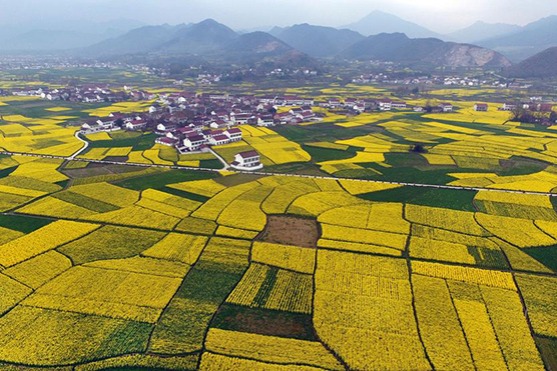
pixel 290 230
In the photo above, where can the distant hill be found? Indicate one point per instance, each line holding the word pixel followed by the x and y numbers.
pixel 483 31
pixel 318 41
pixel 397 47
pixel 207 40
pixel 199 38
pixel 380 22
pixel 541 65
pixel 531 39
pixel 140 40
pixel 261 46
pixel 50 36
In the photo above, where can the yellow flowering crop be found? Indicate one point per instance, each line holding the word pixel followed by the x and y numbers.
pixel 540 297
pixel 513 333
pixel 432 233
pixel 481 337
pixel 108 193
pixel 440 251
pixel 164 208
pixel 361 297
pixel 246 214
pixel 167 198
pixel 184 248
pixel 211 209
pixel 42 240
pixel 206 187
pixel 236 233
pixel 270 349
pixel 7 235
pixel 291 292
pixel 247 289
pixel 358 247
pixel 283 195
pixel 44 170
pixel 107 292
pixel 61 338
pixel 136 157
pixel 211 361
pixel 12 293
pixel 314 204
pixel 299 259
pixel 453 220
pixel 387 239
pixel 356 187
pixel 465 274
pixel 51 206
pixel 39 270
pixel 439 325
pixel 519 232
pixel 138 216
pixel 143 265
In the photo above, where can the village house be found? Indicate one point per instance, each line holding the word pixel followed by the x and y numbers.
pixel 166 141
pixel 398 105
pixel 218 140
pixel 385 105
pixel 135 124
pixel 481 107
pixel 233 134
pixel 446 107
pixel 247 161
pixel 507 107
pixel 194 142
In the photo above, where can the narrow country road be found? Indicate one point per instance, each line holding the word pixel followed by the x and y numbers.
pixel 85 146
pixel 176 167
pixel 226 166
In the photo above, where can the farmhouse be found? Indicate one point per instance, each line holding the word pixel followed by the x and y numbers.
pixel 136 124
pixel 481 107
pixel 398 105
pixel 385 105
pixel 446 107
pixel 233 134
pixel 194 142
pixel 249 161
pixel 508 107
pixel 218 140
pixel 166 141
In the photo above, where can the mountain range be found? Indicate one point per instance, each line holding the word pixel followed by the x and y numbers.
pixel 297 45
pixel 364 39
pixel 541 65
pixel 527 41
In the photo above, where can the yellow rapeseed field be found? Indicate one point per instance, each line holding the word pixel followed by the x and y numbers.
pixel 381 313
pixel 184 248
pixel 270 349
pixel 42 240
pixel 465 274
pixel 299 259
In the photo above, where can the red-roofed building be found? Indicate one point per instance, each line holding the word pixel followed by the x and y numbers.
pixel 194 142
pixel 481 107
pixel 166 141
pixel 218 140
pixel 234 134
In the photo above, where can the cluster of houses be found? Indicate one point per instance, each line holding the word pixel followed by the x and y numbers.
pixel 530 106
pixel 88 93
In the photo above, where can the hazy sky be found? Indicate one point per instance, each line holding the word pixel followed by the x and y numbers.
pixel 438 15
